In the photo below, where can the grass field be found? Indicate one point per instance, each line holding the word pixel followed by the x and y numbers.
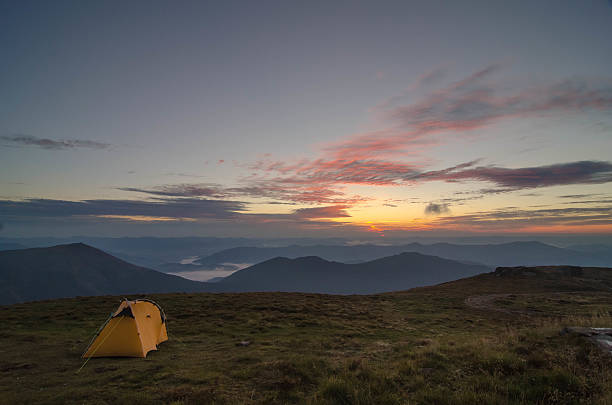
pixel 421 346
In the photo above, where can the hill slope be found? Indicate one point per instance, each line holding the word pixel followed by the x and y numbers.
pixel 78 269
pixel 313 274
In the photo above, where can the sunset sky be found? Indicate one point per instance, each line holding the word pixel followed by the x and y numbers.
pixel 282 118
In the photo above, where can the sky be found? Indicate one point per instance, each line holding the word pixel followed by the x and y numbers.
pixel 280 118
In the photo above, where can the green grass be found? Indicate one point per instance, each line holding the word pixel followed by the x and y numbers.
pixel 562 304
pixel 423 347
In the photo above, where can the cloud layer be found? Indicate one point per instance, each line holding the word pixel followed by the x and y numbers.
pixel 474 102
pixel 167 210
pixel 512 218
pixel 583 172
pixel 50 144
pixel 172 208
pixel 391 156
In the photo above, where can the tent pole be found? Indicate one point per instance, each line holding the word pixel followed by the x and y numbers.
pixel 101 343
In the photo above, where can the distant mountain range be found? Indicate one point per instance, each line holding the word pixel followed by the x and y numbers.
pixel 493 255
pixel 81 270
pixel 155 251
pixel 164 254
pixel 313 274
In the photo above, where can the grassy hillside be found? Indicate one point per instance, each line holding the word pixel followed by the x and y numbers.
pixel 422 346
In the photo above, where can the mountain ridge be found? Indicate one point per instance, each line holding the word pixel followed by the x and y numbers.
pixel 78 269
pixel 519 253
pixel 314 274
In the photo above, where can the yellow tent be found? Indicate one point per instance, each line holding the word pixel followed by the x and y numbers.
pixel 136 328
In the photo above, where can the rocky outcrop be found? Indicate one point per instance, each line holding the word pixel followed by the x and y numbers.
pixel 602 337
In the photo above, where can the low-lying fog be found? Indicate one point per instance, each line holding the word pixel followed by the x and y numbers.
pixel 208 274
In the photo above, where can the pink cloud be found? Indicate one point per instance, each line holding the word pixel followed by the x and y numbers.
pixel 468 104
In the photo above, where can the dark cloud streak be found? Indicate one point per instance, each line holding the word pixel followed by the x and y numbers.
pixel 509 218
pixel 51 144
pixel 436 209
pixel 288 191
pixel 582 172
pixel 173 208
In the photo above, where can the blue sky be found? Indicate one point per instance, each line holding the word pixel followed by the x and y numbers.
pixel 305 118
